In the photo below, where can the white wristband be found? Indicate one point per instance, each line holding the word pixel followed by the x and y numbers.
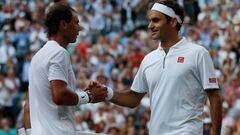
pixel 82 97
pixel 21 131
pixel 28 131
pixel 109 94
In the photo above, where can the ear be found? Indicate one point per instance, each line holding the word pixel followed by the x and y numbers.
pixel 63 25
pixel 174 22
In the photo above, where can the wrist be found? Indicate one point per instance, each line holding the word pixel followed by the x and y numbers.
pixel 28 131
pixel 83 97
pixel 90 96
pixel 21 131
pixel 109 94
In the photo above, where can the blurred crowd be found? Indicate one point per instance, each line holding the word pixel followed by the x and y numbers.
pixel 109 50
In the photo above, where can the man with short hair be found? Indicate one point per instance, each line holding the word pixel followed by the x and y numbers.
pixel 52 92
pixel 179 76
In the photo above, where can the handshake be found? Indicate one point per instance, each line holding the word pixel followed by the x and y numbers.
pixel 95 92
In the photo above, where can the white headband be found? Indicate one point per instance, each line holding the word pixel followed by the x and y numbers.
pixel 166 10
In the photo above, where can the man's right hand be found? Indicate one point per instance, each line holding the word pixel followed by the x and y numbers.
pixel 96 92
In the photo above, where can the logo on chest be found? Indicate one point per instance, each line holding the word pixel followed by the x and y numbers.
pixel 212 80
pixel 180 60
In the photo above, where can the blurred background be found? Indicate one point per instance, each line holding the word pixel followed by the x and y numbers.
pixel 110 50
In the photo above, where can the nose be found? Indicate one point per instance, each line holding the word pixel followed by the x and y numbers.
pixel 80 28
pixel 150 26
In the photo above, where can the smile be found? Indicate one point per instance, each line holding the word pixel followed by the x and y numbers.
pixel 154 32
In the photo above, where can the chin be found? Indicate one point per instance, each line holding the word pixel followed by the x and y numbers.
pixel 155 38
pixel 73 41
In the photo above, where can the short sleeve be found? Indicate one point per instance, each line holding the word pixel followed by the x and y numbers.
pixel 207 71
pixel 140 83
pixel 58 67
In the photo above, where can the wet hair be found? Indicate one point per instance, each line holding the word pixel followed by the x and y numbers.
pixel 176 8
pixel 55 13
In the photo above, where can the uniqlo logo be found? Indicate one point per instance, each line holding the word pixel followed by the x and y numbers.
pixel 212 80
pixel 180 60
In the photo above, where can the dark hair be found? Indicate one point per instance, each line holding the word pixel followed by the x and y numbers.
pixel 176 8
pixel 55 13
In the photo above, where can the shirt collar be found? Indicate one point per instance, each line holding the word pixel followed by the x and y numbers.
pixel 176 46
pixel 54 43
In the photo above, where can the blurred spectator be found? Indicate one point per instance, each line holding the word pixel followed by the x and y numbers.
pixel 113 131
pixel 2 17
pixel 81 125
pixel 7 51
pixel 97 21
pixel 128 16
pixel 131 130
pixel 191 8
pixel 141 12
pixel 37 37
pixel 25 69
pixel 6 128
pixel 82 48
pixel 116 17
pixel 101 114
pixel 21 42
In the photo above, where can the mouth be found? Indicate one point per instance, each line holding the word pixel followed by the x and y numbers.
pixel 153 32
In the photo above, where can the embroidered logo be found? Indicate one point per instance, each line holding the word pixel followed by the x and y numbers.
pixel 180 60
pixel 212 80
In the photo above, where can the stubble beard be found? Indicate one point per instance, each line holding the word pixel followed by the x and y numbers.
pixel 156 37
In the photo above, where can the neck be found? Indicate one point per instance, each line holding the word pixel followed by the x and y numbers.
pixel 59 40
pixel 166 44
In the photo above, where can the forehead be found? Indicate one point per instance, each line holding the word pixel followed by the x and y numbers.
pixel 74 16
pixel 155 14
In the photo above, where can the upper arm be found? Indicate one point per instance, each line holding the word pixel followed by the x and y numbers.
pixel 57 87
pixel 134 98
pixel 58 74
pixel 213 93
pixel 140 84
pixel 137 95
pixel 206 71
pixel 58 67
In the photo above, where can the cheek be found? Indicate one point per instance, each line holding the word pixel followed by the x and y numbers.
pixel 76 28
pixel 159 27
pixel 162 28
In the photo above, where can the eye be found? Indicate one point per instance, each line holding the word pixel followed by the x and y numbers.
pixel 155 19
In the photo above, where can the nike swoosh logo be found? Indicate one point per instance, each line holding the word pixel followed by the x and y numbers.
pixel 82 96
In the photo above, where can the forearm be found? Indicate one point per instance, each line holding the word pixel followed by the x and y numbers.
pixel 62 95
pixel 127 98
pixel 216 112
pixel 216 115
pixel 66 97
pixel 26 114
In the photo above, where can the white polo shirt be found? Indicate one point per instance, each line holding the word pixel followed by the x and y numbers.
pixel 52 62
pixel 176 83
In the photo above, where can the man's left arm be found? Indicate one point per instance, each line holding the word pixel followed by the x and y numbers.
pixel 215 100
pixel 26 114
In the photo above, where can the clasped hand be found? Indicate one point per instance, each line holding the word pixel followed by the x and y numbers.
pixel 96 92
